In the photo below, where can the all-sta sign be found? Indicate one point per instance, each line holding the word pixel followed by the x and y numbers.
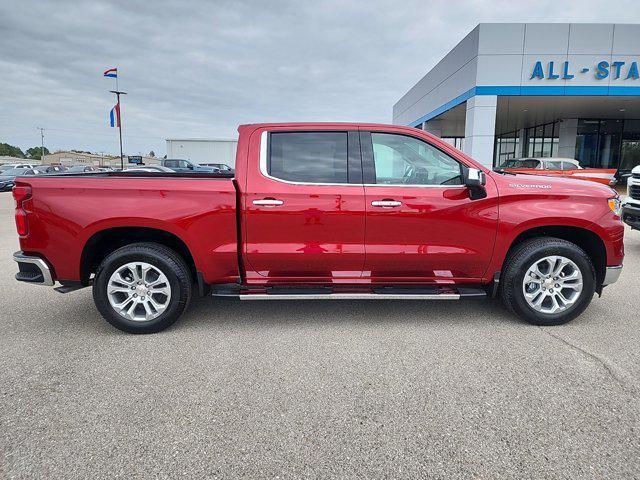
pixel 618 69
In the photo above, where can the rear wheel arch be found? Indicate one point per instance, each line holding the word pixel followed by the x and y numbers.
pixel 142 287
pixel 586 239
pixel 104 242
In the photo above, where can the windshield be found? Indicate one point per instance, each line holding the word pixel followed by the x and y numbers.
pixel 520 163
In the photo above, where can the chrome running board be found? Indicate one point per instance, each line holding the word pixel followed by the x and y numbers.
pixel 349 296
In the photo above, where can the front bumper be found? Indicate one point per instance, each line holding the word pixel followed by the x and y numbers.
pixel 611 275
pixel 33 270
pixel 631 215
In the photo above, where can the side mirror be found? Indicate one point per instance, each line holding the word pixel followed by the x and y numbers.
pixel 475 180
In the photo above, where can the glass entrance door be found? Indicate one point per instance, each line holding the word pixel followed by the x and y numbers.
pixel 598 143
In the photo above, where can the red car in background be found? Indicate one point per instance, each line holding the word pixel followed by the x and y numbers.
pixel 560 167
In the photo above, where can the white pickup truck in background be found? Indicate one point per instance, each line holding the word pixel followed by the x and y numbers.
pixel 631 209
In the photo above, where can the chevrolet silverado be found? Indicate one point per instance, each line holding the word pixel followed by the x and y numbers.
pixel 321 211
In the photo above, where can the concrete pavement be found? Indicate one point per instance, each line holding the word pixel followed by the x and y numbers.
pixel 317 389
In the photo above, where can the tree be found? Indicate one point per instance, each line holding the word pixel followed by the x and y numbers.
pixel 10 151
pixel 152 154
pixel 36 152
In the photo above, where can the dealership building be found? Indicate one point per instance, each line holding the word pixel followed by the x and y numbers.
pixel 535 90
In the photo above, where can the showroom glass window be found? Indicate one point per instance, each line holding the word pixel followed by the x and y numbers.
pixel 506 147
pixel 630 154
pixel 598 142
pixel 403 160
pixel 542 140
pixel 456 142
pixel 310 157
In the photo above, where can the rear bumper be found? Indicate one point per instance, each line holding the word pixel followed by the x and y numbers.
pixel 631 215
pixel 33 270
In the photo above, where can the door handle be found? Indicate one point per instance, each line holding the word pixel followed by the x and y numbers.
pixel 386 203
pixel 268 202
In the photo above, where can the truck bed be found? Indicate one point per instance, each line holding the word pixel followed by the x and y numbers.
pixel 68 211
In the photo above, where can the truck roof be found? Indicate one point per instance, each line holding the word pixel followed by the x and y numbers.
pixel 327 124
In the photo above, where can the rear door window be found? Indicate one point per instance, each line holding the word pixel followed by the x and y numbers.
pixel 308 157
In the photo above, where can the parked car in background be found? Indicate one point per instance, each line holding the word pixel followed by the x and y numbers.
pixel 631 208
pixel 82 169
pixel 181 165
pixel 33 171
pixel 150 169
pixel 7 177
pixel 322 211
pixel 222 167
pixel 54 168
pixel 559 167
pixel 10 166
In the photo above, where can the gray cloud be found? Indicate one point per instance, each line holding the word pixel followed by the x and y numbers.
pixel 198 69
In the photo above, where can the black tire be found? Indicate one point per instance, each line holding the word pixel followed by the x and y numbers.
pixel 516 266
pixel 168 262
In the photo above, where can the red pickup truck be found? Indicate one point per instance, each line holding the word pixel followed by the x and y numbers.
pixel 322 211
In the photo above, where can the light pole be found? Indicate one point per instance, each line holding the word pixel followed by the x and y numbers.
pixel 118 93
pixel 41 143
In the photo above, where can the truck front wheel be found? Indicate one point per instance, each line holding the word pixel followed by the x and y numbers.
pixel 142 288
pixel 548 281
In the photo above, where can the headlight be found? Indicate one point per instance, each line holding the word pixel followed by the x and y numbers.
pixel 615 205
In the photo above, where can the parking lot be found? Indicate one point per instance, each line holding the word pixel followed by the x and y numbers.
pixel 326 389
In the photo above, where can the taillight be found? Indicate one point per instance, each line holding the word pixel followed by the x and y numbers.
pixel 21 193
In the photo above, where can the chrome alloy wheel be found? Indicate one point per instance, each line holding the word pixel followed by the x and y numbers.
pixel 139 291
pixel 552 284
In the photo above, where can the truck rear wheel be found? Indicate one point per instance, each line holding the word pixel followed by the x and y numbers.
pixel 142 288
pixel 548 281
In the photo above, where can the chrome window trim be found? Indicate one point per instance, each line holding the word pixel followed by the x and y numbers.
pixel 264 136
pixel 412 186
pixel 263 168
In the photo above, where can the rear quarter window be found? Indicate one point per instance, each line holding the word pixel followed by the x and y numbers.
pixel 569 166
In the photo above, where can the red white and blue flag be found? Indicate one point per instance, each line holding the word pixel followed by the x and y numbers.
pixel 112 72
pixel 114 116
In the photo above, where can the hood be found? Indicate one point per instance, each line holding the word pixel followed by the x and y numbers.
pixel 540 184
pixel 4 178
pixel 636 170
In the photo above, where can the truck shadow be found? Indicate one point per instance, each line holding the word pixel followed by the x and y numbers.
pixel 340 312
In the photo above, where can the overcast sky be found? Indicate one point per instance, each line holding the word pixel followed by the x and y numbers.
pixel 200 68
